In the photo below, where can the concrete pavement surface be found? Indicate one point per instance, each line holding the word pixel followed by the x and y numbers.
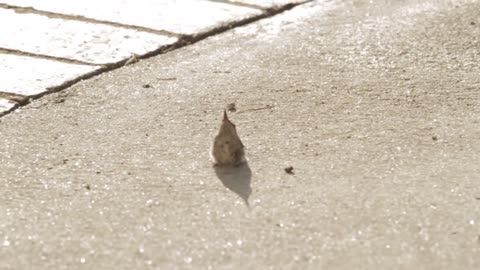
pixel 56 38
pixel 376 106
pixel 178 16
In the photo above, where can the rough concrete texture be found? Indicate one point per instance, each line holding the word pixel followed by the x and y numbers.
pixel 376 108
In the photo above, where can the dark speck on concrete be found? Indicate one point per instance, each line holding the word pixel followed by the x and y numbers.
pixel 289 170
pixel 146 85
pixel 232 107
pixel 59 100
pixel 435 138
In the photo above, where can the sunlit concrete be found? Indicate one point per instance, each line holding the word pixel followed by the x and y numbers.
pixel 31 76
pixel 179 16
pixel 76 40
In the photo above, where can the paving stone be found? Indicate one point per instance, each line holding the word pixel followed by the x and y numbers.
pixel 83 41
pixel 179 16
pixel 6 105
pixel 32 76
pixel 268 3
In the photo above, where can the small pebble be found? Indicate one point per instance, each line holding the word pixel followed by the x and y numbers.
pixel 289 170
pixel 232 107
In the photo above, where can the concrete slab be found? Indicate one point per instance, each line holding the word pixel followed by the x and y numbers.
pixel 82 41
pixel 179 16
pixel 32 76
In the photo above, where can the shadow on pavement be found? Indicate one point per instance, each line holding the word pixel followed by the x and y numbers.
pixel 237 179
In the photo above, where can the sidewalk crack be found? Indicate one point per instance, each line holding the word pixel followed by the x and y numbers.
pixel 240 4
pixel 44 56
pixel 49 14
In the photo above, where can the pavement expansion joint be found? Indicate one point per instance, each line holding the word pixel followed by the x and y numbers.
pixel 43 56
pixel 267 12
pixel 73 81
pixel 16 98
pixel 183 40
pixel 238 4
pixel 49 14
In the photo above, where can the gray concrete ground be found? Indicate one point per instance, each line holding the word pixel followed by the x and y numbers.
pixel 376 107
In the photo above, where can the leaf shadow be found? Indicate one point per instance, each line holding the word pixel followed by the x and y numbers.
pixel 236 179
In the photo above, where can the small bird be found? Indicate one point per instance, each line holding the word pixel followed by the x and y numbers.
pixel 228 149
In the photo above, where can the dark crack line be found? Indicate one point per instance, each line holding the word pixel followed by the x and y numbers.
pixel 49 14
pixel 101 69
pixel 268 12
pixel 238 4
pixel 44 56
pixel 16 99
pixel 184 40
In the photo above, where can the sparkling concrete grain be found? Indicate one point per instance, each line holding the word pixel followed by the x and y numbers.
pixel 376 107
pixel 179 16
pixel 37 74
pixel 76 40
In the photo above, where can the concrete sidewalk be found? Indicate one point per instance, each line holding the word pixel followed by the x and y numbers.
pixel 375 106
pixel 47 46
